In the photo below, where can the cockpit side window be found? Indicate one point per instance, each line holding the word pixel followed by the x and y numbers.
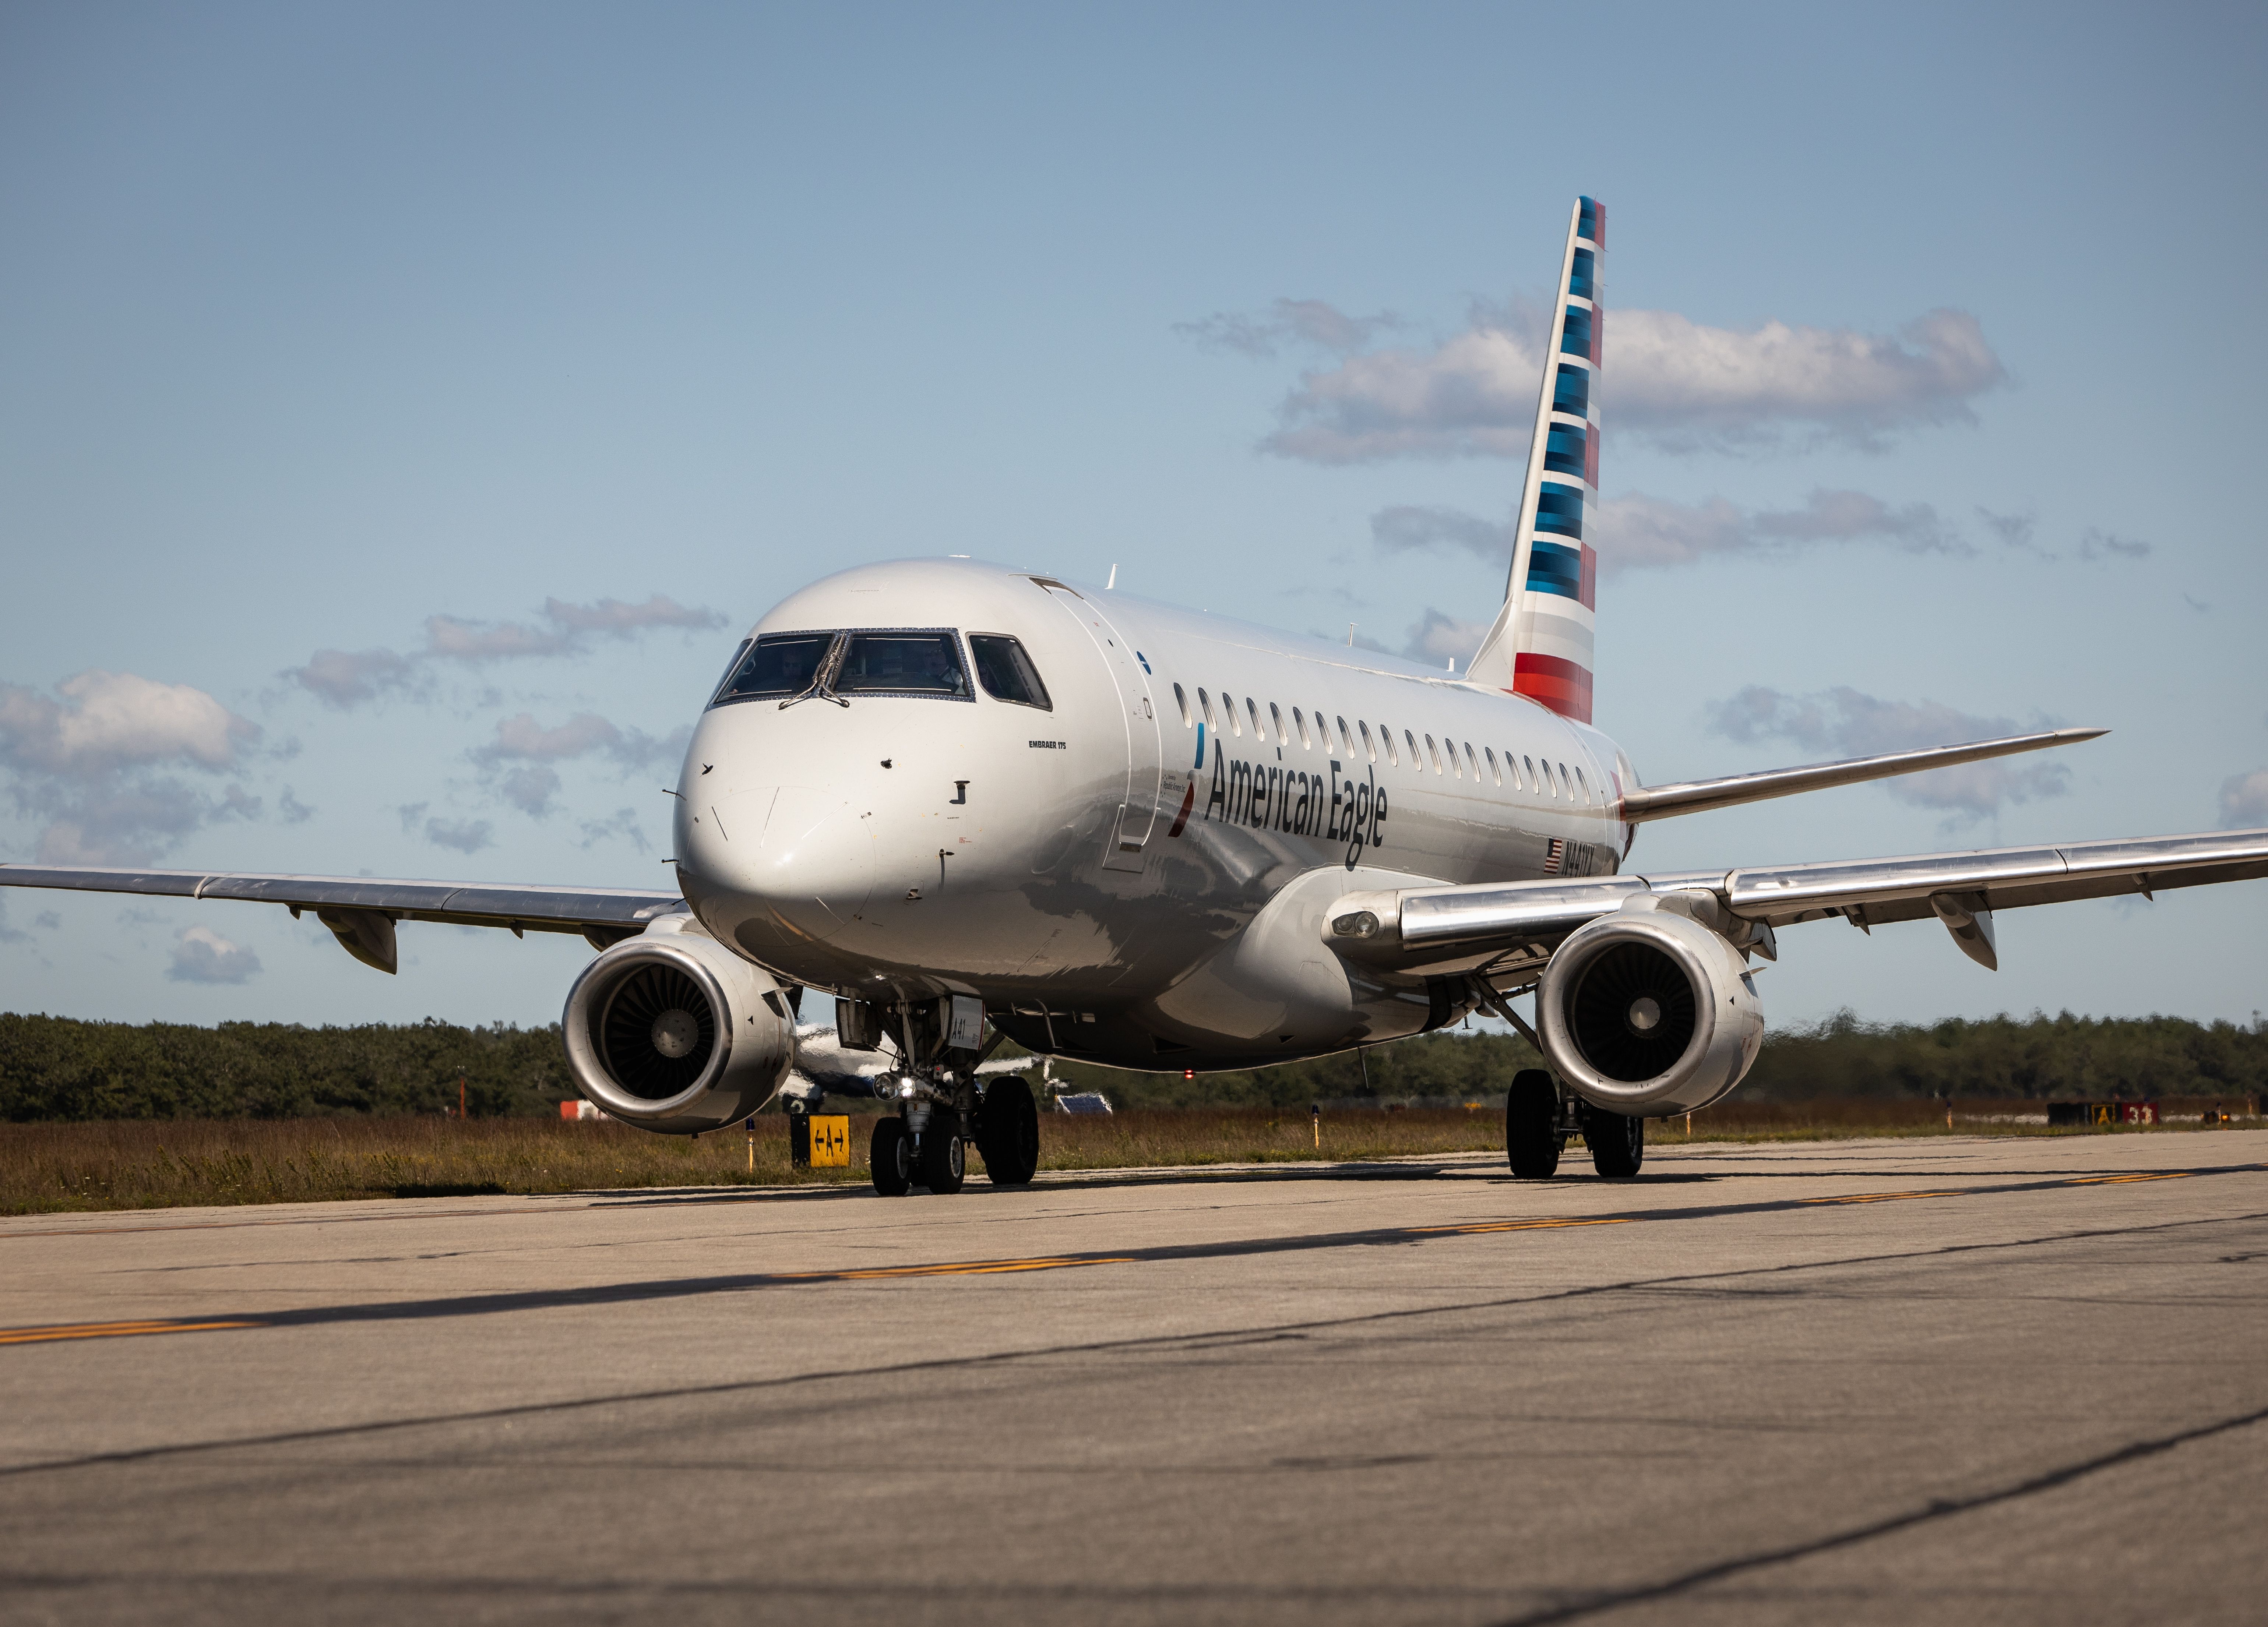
pixel 926 662
pixel 777 666
pixel 1007 672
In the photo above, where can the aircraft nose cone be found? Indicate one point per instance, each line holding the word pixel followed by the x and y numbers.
pixel 784 864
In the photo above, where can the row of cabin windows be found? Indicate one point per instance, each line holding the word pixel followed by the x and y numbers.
pixel 1551 779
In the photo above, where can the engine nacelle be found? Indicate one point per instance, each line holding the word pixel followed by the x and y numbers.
pixel 1647 1012
pixel 674 1032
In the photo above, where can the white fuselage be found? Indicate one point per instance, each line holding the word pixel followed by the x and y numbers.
pixel 1139 874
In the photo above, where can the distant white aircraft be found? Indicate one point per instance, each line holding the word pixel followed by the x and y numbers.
pixel 956 795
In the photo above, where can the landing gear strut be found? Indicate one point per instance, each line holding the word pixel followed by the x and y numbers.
pixel 1538 1122
pixel 942 1106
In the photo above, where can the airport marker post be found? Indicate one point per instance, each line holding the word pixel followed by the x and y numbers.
pixel 1316 1112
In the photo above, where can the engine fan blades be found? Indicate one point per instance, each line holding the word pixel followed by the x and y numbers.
pixel 1633 1014
pixel 645 1019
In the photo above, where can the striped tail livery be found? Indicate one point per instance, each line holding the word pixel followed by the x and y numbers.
pixel 1540 645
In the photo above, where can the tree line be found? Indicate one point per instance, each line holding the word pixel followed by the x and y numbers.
pixel 60 1067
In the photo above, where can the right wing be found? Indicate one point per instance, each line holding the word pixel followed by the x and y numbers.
pixel 1514 927
pixel 361 910
pixel 1644 802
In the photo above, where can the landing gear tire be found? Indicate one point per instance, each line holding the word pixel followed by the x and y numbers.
pixel 1617 1143
pixel 1008 1133
pixel 892 1156
pixel 1531 1118
pixel 944 1159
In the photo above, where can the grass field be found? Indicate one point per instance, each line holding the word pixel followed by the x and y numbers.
pixel 165 1163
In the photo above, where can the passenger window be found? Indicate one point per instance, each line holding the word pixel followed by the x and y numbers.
pixel 1204 705
pixel 1368 749
pixel 1582 786
pixel 1300 719
pixel 1471 764
pixel 1007 672
pixel 1495 773
pixel 1275 722
pixel 1228 710
pixel 780 665
pixel 1252 710
pixel 1392 756
pixel 1346 740
pixel 1565 789
pixel 1533 784
pixel 1416 761
pixel 1182 701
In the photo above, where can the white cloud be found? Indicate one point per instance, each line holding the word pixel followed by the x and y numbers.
pixel 2101 544
pixel 1844 723
pixel 518 761
pixel 463 835
pixel 530 788
pixel 1286 322
pixel 1439 640
pixel 113 720
pixel 202 956
pixel 345 679
pixel 2244 800
pixel 612 615
pixel 525 739
pixel 1681 384
pixel 90 762
pixel 1641 532
pixel 342 678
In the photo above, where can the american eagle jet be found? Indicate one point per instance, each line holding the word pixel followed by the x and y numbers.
pixel 969 801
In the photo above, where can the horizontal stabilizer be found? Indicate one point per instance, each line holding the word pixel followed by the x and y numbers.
pixel 1642 803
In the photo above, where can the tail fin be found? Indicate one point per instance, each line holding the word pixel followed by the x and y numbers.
pixel 1540 645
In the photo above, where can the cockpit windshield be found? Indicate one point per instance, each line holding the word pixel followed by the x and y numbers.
pixel 834 665
pixel 901 664
pixel 779 664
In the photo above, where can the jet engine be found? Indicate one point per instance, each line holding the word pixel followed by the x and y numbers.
pixel 1647 1012
pixel 674 1032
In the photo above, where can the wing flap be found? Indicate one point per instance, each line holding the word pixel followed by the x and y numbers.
pixel 1899 889
pixel 1423 930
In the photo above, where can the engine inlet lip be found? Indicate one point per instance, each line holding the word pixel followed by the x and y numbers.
pixel 1565 972
pixel 589 999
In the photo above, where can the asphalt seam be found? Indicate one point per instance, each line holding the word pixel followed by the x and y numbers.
pixel 1937 1508
pixel 1003 1358
pixel 689 1287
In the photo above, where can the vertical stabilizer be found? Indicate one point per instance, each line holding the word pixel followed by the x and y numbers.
pixel 1540 645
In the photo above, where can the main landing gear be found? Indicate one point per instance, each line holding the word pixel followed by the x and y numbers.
pixel 1538 1121
pixel 926 1142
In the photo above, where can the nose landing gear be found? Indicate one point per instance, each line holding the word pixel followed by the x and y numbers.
pixel 942 1102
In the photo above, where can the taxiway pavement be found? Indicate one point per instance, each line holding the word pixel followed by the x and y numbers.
pixel 2007 1379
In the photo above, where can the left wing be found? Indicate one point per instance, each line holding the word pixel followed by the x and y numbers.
pixel 361 910
pixel 1513 927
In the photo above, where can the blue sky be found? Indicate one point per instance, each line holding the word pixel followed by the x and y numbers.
pixel 401 410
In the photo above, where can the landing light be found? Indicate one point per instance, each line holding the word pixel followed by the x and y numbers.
pixel 1361 923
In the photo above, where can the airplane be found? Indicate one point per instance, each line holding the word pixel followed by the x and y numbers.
pixel 962 798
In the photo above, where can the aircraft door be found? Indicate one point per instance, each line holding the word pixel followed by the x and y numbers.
pixel 1137 812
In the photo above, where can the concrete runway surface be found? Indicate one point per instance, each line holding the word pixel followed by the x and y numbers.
pixel 1945 1380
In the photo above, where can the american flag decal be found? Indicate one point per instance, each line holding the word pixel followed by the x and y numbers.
pixel 1555 857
